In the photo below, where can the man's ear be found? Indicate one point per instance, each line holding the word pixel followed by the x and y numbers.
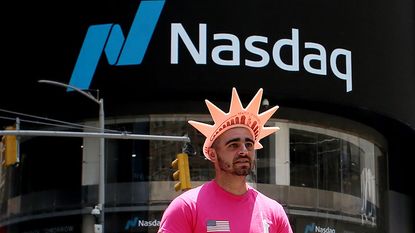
pixel 212 154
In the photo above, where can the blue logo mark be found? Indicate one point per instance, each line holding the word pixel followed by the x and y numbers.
pixel 131 224
pixel 109 38
pixel 310 228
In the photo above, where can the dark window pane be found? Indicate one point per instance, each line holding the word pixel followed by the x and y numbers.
pixel 303 158
pixel 328 163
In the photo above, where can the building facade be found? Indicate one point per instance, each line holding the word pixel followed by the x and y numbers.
pixel 342 74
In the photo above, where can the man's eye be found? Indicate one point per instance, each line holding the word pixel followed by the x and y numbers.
pixel 249 145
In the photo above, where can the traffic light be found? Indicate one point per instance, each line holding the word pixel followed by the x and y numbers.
pixel 9 148
pixel 181 164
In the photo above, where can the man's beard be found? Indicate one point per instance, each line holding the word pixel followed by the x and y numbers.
pixel 234 168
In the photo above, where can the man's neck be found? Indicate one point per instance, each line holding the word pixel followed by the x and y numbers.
pixel 232 184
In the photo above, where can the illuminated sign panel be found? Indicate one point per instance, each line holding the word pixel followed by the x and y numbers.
pixel 315 54
pixel 120 51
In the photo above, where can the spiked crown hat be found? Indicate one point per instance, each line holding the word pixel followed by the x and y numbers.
pixel 238 116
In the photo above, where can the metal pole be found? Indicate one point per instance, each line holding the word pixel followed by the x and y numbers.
pixel 101 194
pixel 18 140
pixel 69 87
pixel 101 191
pixel 125 136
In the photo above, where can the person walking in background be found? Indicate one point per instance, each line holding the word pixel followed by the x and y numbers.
pixel 227 203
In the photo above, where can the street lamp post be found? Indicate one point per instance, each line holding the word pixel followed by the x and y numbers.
pixel 101 192
pixel 101 185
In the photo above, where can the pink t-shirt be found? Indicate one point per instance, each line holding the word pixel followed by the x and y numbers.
pixel 209 208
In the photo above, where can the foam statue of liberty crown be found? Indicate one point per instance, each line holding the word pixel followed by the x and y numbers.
pixel 238 116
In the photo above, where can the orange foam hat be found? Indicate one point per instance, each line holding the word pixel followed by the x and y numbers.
pixel 238 116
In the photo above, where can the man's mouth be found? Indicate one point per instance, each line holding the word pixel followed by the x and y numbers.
pixel 242 161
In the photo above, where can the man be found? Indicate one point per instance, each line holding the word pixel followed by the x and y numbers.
pixel 228 203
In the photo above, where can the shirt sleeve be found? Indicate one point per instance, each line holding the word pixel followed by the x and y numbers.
pixel 177 218
pixel 282 221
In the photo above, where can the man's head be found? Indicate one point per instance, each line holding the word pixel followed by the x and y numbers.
pixel 233 151
pixel 237 117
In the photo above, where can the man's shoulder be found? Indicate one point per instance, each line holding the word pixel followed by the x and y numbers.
pixel 269 205
pixel 190 195
pixel 265 199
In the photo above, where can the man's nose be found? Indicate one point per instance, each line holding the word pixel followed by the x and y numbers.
pixel 243 150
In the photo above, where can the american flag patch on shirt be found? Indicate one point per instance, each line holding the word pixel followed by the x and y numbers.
pixel 218 226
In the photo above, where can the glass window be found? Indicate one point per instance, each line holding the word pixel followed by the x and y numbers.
pixel 303 158
pixel 162 153
pixel 144 160
pixel 328 163
pixel 324 162
pixel 265 163
pixel 127 160
pixel 350 168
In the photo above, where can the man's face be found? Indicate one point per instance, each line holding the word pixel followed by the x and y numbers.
pixel 235 151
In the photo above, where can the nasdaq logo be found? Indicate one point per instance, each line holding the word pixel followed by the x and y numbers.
pixel 137 223
pixel 313 228
pixel 229 43
pixel 254 51
pixel 109 39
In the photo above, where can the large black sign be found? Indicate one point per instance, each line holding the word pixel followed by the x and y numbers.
pixel 346 54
